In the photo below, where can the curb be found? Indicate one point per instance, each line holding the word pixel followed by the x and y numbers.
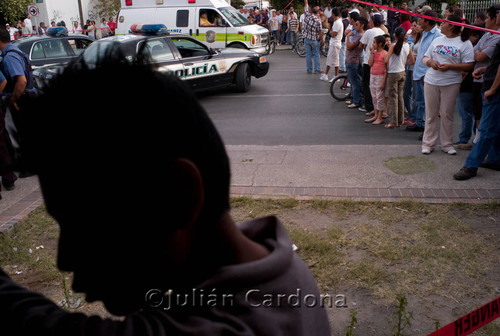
pixel 438 196
pixel 21 209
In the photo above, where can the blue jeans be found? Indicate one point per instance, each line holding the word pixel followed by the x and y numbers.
pixel 283 38
pixel 342 66
pixel 276 35
pixel 312 52
pixel 419 103
pixel 489 141
pixel 293 38
pixel 354 79
pixel 408 94
pixel 465 106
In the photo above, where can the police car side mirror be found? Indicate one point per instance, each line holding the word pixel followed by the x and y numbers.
pixel 212 51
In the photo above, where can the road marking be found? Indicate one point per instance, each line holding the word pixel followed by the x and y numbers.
pixel 275 95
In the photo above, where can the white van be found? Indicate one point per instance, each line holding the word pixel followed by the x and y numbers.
pixel 214 22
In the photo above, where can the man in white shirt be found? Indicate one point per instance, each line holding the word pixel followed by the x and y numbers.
pixel 336 33
pixel 328 11
pixel 366 42
pixel 12 31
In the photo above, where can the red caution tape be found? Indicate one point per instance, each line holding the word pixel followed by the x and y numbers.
pixel 427 17
pixel 472 321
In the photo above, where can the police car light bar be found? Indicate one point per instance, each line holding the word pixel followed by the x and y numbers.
pixel 149 29
pixel 128 2
pixel 57 31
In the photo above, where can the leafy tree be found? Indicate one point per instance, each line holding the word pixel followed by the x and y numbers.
pixel 238 3
pixel 12 10
pixel 106 8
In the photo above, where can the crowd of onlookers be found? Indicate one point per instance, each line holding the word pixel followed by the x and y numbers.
pixel 414 71
pixel 25 28
pixel 417 71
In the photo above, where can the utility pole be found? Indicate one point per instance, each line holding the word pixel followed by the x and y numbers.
pixel 80 10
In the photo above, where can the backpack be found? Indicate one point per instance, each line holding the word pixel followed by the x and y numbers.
pixel 28 72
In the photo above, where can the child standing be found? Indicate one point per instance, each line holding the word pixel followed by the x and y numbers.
pixel 398 56
pixel 377 78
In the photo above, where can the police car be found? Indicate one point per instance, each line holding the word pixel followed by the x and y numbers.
pixel 57 47
pixel 186 57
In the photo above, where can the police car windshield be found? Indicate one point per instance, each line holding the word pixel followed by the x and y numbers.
pixel 233 16
pixel 98 52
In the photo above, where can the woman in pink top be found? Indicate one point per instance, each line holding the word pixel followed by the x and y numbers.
pixel 377 78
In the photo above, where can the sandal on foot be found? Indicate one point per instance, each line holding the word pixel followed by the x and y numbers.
pixel 370 120
pixel 370 113
pixel 379 122
pixel 391 125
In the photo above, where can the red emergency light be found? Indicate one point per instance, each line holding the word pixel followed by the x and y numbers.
pixel 128 2
pixel 191 1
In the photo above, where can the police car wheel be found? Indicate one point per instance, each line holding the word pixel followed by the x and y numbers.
pixel 243 78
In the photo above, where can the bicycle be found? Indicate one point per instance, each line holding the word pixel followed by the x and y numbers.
pixel 340 89
pixel 299 47
pixel 271 44
pixel 324 49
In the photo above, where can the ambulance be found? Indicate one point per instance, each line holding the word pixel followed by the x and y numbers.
pixel 213 22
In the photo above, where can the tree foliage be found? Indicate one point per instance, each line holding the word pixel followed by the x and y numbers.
pixel 106 8
pixel 12 10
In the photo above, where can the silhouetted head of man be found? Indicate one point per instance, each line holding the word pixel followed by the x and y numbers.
pixel 137 177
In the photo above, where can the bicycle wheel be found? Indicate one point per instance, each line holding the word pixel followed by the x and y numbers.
pixel 324 50
pixel 300 48
pixel 340 88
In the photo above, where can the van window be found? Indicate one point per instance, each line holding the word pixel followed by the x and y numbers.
pixel 182 18
pixel 210 18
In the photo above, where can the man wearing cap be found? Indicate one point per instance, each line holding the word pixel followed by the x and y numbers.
pixel 12 31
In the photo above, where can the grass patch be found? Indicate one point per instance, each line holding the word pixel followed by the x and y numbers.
pixel 409 165
pixel 421 250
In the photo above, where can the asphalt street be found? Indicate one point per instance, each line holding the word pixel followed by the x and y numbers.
pixel 290 107
pixel 287 137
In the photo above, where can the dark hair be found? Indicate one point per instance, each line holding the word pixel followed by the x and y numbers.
pixel 354 15
pixel 336 11
pixel 363 21
pixel 404 17
pixel 128 155
pixel 344 13
pixel 399 33
pixel 380 39
pixel 4 35
pixel 432 14
pixel 464 34
pixel 482 15
pixel 458 12
pixel 476 32
pixel 491 12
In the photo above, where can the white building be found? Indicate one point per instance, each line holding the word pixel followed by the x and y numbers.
pixel 64 10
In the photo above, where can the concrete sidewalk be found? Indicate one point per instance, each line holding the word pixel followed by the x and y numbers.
pixel 355 172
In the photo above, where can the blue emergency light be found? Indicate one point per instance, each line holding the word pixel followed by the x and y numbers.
pixel 149 29
pixel 57 31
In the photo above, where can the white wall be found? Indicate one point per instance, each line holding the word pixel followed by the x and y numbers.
pixel 64 10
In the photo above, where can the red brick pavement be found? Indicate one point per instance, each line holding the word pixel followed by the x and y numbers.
pixel 22 208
